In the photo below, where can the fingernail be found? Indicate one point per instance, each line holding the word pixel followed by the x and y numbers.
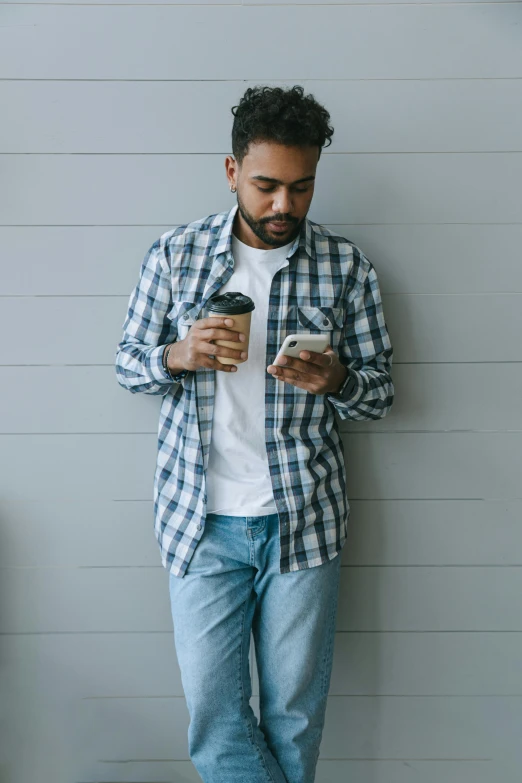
pixel 229 322
pixel 242 337
pixel 243 354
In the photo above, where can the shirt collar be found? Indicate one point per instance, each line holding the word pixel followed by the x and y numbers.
pixel 223 243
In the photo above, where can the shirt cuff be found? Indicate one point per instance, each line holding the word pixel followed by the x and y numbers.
pixel 154 366
pixel 351 392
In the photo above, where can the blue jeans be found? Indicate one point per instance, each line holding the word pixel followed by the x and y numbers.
pixel 233 586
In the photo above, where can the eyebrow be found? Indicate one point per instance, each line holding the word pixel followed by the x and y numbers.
pixel 278 181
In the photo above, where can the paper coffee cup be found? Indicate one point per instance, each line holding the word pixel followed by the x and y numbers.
pixel 239 307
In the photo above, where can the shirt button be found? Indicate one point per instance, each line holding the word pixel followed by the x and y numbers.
pixel 199 527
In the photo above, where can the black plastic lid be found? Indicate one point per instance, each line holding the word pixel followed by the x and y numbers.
pixel 233 302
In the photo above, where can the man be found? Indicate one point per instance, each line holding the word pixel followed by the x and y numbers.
pixel 250 486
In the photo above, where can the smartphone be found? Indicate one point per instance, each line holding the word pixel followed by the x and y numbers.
pixel 302 341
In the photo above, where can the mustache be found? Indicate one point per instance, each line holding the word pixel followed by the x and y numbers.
pixel 280 220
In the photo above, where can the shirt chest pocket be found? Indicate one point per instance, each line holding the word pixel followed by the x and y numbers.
pixel 183 314
pixel 321 318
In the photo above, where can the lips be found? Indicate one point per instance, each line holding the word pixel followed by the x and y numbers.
pixel 279 226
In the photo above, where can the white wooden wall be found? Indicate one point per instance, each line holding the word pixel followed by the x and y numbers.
pixel 115 125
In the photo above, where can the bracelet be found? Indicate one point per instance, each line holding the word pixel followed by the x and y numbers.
pixel 164 361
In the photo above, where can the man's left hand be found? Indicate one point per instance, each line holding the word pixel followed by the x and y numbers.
pixel 313 371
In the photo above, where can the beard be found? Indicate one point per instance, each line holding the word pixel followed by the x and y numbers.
pixel 263 232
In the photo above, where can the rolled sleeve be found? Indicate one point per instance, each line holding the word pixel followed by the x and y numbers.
pixel 147 329
pixel 366 352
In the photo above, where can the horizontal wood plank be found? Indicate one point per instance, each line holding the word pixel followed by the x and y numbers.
pixel 367 771
pixel 141 665
pixel 357 728
pixel 451 115
pixel 371 599
pixel 105 260
pixel 438 328
pixel 370 188
pixel 400 42
pixel 437 397
pixel 380 533
pixel 448 465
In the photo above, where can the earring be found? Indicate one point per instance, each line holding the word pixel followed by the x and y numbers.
pixel 232 189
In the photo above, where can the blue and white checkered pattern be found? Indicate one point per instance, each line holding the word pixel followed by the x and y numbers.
pixel 327 285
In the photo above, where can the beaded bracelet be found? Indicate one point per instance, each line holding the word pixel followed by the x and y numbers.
pixel 164 361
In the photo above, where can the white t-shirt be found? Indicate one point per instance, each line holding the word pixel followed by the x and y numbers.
pixel 238 477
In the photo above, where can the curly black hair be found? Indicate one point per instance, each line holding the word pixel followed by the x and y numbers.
pixel 275 114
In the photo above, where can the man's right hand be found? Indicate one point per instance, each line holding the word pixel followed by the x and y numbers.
pixel 193 351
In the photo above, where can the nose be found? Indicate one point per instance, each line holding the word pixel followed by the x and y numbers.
pixel 282 203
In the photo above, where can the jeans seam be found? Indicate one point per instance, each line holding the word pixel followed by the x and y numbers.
pixel 244 710
pixel 331 640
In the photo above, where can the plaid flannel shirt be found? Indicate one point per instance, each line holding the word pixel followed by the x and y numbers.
pixel 327 286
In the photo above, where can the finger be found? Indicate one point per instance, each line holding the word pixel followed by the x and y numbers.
pixel 208 354
pixel 287 374
pixel 282 374
pixel 215 321
pixel 215 364
pixel 223 367
pixel 311 366
pixel 324 359
pixel 216 332
pixel 225 326
pixel 208 346
pixel 296 380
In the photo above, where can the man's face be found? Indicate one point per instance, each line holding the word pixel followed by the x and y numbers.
pixel 275 183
